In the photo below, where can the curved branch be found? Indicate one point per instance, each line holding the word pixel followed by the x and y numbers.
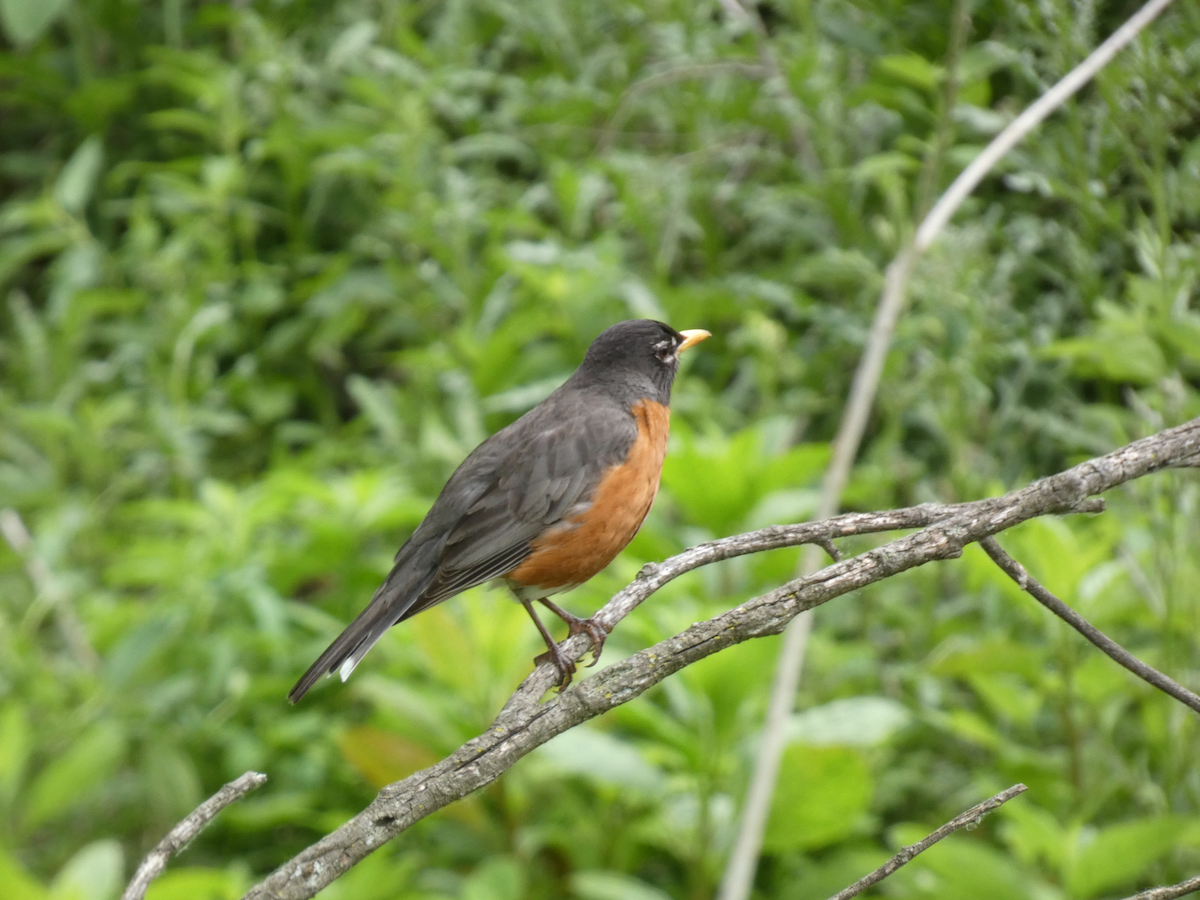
pixel 963 820
pixel 183 833
pixel 1110 648
pixel 1191 886
pixel 526 722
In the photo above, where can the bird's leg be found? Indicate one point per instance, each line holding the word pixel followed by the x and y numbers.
pixel 593 629
pixel 565 666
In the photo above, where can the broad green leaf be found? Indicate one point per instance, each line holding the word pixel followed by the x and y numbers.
pixel 910 68
pixel 1116 856
pixel 74 186
pixel 966 867
pixel 596 885
pixel 195 883
pixel 25 21
pixel 95 872
pixel 820 797
pixel 855 721
pixel 1007 695
pixel 15 744
pixel 711 479
pixel 500 878
pixel 381 757
pixel 965 657
pixel 76 776
pixel 596 754
pixel 1034 834
pixel 19 884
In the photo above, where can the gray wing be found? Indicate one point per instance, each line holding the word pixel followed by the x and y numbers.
pixel 546 477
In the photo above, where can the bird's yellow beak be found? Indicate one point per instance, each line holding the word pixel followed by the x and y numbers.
pixel 694 336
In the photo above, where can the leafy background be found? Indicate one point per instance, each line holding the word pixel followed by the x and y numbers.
pixel 270 270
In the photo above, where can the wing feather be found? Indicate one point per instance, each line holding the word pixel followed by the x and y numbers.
pixel 546 477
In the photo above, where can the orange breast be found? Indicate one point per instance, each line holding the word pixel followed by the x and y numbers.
pixel 574 551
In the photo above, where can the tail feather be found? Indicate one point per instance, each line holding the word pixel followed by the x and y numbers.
pixel 403 587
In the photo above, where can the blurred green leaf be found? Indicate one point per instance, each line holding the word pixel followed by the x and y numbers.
pixel 854 721
pixel 195 883
pixel 967 868
pixel 1116 856
pixel 15 747
pixel 911 68
pixel 25 21
pixel 598 755
pixel 497 879
pixel 77 775
pixel 95 872
pixel 381 757
pixel 820 797
pixel 612 886
pixel 78 177
pixel 19 884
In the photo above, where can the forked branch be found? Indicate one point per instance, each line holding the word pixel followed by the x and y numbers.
pixel 526 722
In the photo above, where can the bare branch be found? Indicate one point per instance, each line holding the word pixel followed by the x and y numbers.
pixel 1111 648
pixel 829 547
pixel 1191 886
pixel 183 833
pixel 967 819
pixel 526 722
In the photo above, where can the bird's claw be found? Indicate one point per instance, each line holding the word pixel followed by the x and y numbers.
pixel 566 668
pixel 597 631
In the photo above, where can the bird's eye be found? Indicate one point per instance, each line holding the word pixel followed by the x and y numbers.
pixel 665 351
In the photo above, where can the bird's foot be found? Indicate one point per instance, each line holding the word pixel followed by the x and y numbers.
pixel 594 629
pixel 597 631
pixel 566 668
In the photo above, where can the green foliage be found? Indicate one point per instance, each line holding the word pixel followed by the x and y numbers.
pixel 269 271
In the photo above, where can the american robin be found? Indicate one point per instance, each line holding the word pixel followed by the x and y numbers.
pixel 545 503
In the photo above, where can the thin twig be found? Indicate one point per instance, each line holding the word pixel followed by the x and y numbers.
pixel 1110 648
pixel 183 833
pixel 967 819
pixel 528 721
pixel 1191 886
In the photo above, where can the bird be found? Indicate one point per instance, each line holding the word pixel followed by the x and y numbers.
pixel 544 503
